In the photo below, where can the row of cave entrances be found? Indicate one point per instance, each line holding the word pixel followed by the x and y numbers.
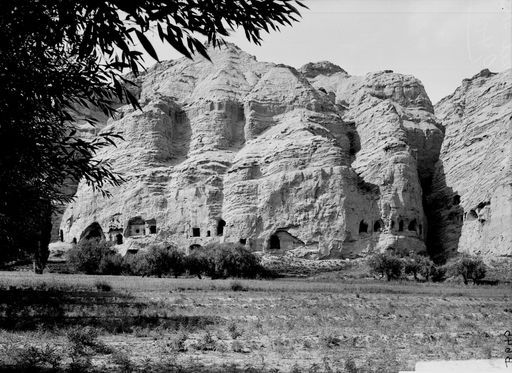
pixel 379 225
pixel 135 227
pixel 196 232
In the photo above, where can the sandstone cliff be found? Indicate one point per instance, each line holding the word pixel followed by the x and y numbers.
pixel 313 161
pixel 471 199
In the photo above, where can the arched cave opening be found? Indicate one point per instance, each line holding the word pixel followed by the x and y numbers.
pixel 412 225
pixel 93 231
pixel 194 247
pixel 119 239
pixel 274 243
pixel 74 240
pixel 196 232
pixel 401 226
pixel 363 227
pixel 208 233
pixel 377 226
pixel 243 241
pixel 220 227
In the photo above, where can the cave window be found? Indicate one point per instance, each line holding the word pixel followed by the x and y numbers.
pixel 93 231
pixel 456 199
pixel 400 225
pixel 220 227
pixel 412 225
pixel 196 232
pixel 61 235
pixel 275 244
pixel 74 240
pixel 392 224
pixel 208 234
pixel 377 227
pixel 243 241
pixel 119 239
pixel 363 227
pixel 137 230
pixel 152 229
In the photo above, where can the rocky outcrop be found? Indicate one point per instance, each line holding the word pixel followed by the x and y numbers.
pixel 471 199
pixel 281 160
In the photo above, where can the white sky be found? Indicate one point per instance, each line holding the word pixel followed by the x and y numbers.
pixel 440 42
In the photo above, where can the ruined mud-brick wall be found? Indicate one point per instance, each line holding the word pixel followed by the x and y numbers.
pixel 278 159
pixel 471 199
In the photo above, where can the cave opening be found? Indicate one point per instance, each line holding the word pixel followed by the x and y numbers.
pixel 119 239
pixel 412 225
pixel 363 227
pixel 220 227
pixel 243 241
pixel 275 243
pixel 196 232
pixel 377 226
pixel 401 226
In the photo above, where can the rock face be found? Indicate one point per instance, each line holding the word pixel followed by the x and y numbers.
pixel 471 199
pixel 237 150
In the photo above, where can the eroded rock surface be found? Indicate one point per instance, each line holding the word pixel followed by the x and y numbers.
pixel 314 161
pixel 471 200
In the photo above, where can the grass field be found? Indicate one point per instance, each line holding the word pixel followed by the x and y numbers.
pixel 189 325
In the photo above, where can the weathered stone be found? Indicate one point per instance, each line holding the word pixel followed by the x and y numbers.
pixel 252 152
pixel 471 199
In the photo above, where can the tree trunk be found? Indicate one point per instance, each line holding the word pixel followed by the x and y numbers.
pixel 44 237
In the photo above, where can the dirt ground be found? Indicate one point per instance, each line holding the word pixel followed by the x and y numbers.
pixel 290 325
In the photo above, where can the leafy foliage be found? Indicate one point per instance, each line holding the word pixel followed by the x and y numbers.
pixel 470 268
pixel 95 257
pixel 386 264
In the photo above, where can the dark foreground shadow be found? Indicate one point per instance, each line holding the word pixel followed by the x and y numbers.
pixel 52 309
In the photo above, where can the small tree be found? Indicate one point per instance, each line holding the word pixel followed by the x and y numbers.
pixel 95 257
pixel 470 268
pixel 418 265
pixel 196 263
pixel 386 264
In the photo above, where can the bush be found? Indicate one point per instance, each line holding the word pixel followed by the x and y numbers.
pixel 386 264
pixel 197 263
pixel 470 268
pixel 231 260
pixel 438 273
pixel 161 260
pixel 418 265
pixel 95 257
pixel 237 286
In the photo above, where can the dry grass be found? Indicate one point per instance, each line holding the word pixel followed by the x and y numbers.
pixel 281 325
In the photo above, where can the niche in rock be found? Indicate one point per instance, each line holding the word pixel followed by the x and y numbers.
pixel 401 226
pixel 456 199
pixel 243 241
pixel 412 225
pixel 363 227
pixel 377 226
pixel 196 232
pixel 93 231
pixel 220 227
pixel 274 242
pixel 151 226
pixel 472 215
pixel 136 227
